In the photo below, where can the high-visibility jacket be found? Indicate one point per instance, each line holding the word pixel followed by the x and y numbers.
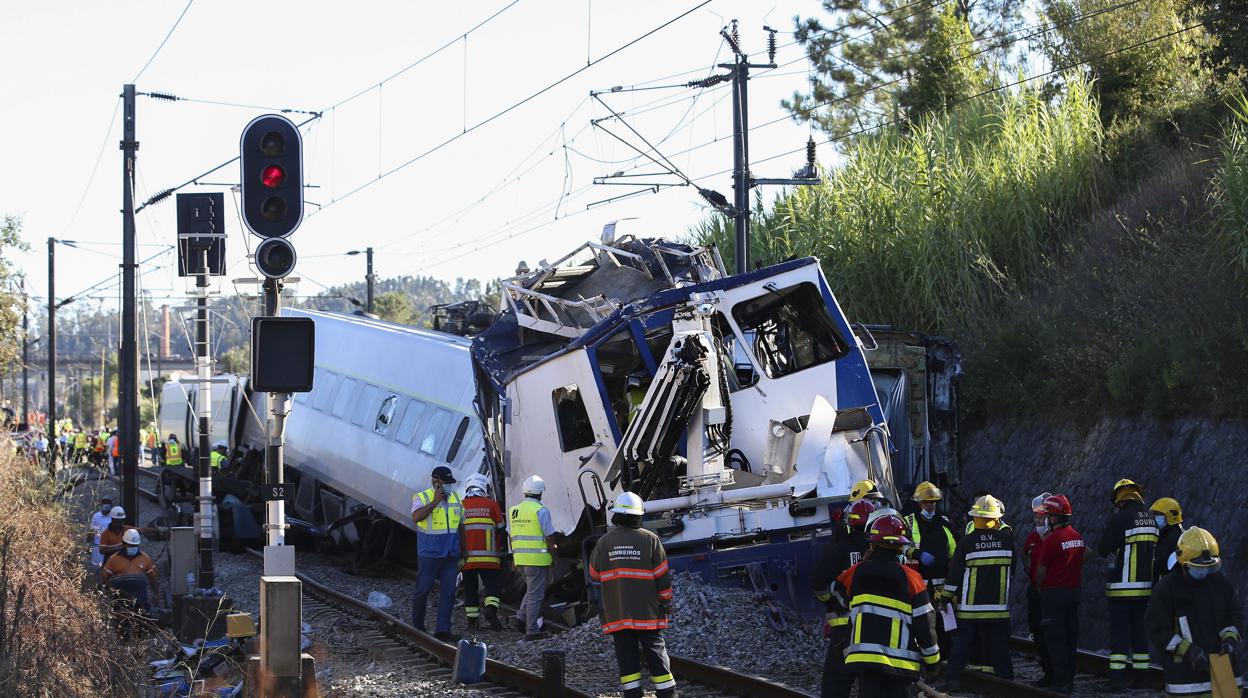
pixel 116 446
pixel 443 520
pixel 1184 612
pixel 80 442
pixel 528 542
pixel 892 622
pixel 482 519
pixel 631 566
pixel 1128 542
pixel 835 560
pixel 121 565
pixel 979 575
pixel 173 453
pixel 216 458
pixel 111 540
pixel 938 533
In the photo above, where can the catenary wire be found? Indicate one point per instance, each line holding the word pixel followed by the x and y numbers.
pixel 176 22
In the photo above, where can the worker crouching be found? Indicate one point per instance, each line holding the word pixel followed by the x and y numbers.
pixel 631 565
pixel 133 574
pixel 1195 618
pixel 979 584
pixel 892 623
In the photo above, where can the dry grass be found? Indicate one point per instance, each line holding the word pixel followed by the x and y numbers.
pixel 55 637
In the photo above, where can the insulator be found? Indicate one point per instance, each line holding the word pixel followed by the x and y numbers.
pixel 810 151
pixel 771 45
pixel 736 35
pixel 163 95
pixel 159 196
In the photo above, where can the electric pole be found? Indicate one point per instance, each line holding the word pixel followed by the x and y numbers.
pixel 369 278
pixel 203 365
pixel 25 352
pixel 128 360
pixel 51 340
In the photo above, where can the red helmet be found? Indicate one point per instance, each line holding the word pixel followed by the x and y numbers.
pixel 889 531
pixel 856 515
pixel 1058 504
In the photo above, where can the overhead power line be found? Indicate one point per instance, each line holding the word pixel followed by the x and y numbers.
pixel 155 53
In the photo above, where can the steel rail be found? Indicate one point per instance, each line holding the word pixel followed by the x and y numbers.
pixel 1090 662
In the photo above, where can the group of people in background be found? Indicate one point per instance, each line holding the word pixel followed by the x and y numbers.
pixel 903 589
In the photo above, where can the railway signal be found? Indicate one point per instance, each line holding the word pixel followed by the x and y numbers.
pixel 275 258
pixel 271 177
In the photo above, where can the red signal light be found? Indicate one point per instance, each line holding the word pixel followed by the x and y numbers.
pixel 273 176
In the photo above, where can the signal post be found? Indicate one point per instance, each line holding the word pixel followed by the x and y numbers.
pixel 282 353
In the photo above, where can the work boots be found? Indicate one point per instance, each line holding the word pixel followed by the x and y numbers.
pixel 491 617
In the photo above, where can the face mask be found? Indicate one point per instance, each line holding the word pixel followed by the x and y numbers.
pixel 928 515
pixel 132 550
pixel 105 509
pixel 1161 520
pixel 1043 529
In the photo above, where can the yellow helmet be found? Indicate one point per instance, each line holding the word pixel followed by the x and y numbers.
pixel 861 489
pixel 1125 489
pixel 1198 548
pixel 988 507
pixel 927 492
pixel 1170 507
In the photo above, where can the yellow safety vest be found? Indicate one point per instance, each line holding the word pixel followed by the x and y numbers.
pixel 173 453
pixel 443 519
pixel 216 458
pixel 528 543
pixel 80 441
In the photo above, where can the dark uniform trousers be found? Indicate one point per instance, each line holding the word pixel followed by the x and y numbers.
pixel 631 646
pixel 878 684
pixel 491 580
pixel 993 637
pixel 1128 634
pixel 1061 629
pixel 1035 623
pixel 837 682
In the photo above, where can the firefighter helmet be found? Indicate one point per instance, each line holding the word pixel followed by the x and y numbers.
pixel 1125 489
pixel 1037 503
pixel 889 531
pixel 1170 507
pixel 534 485
pixel 1198 548
pixel 987 507
pixel 131 537
pixel 1058 504
pixel 629 503
pixel 858 512
pixel 862 488
pixel 927 492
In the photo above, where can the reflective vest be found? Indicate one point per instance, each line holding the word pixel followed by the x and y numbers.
pixel 482 518
pixel 116 447
pixel 892 622
pixel 217 459
pixel 916 537
pixel 80 442
pixel 528 543
pixel 979 575
pixel 173 453
pixel 445 518
pixel 1129 541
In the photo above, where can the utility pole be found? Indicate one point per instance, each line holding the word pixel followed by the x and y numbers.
pixel 51 340
pixel 203 365
pixel 369 277
pixel 274 456
pixel 25 352
pixel 128 360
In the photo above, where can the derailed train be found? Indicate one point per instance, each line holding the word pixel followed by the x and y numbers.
pixel 742 408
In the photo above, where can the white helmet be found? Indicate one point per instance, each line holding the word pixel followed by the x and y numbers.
pixel 131 537
pixel 478 482
pixel 534 485
pixel 629 503
pixel 117 513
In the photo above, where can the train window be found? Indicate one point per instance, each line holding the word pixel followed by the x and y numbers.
pixel 346 392
pixel 324 391
pixel 732 353
pixel 575 430
pixel 457 440
pixel 411 419
pixel 435 433
pixel 386 414
pixel 624 376
pixel 792 329
pixel 364 405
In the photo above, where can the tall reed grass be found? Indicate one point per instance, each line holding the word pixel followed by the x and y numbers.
pixel 1229 189
pixel 925 225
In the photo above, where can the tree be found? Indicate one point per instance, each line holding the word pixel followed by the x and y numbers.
pixel 1227 53
pixel 876 60
pixel 10 302
pixel 396 306
pixel 237 359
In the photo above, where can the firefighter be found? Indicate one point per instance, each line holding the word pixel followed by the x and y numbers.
pixel 1128 541
pixel 532 548
pixel 863 489
pixel 171 451
pixel 979 585
pixel 631 565
pixel 1031 547
pixel 437 512
pixel 892 624
pixel 836 682
pixel 483 530
pixel 1169 519
pixel 1194 613
pixel 1059 575
pixel 932 543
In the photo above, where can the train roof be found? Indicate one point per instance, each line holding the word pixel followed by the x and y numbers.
pixel 363 321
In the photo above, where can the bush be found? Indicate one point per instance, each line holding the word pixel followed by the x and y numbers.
pixel 55 637
pixel 1230 188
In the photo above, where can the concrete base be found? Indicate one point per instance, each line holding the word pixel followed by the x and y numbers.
pixel 196 617
pixel 261 686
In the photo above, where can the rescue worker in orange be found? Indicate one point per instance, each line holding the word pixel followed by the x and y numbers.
pixel 836 682
pixel 111 538
pixel 481 537
pixel 892 623
pixel 132 571
pixel 631 565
